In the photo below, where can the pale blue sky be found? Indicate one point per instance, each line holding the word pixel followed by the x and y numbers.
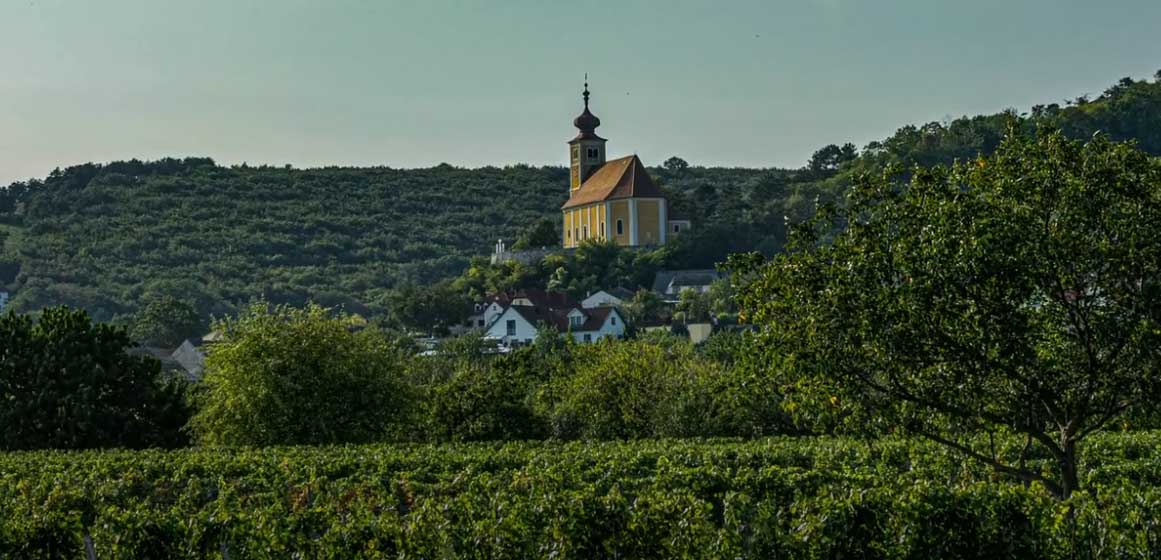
pixel 361 82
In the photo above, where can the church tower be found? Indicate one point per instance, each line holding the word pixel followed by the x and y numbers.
pixel 587 150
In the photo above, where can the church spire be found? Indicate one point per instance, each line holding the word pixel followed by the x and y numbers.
pixel 586 122
pixel 586 93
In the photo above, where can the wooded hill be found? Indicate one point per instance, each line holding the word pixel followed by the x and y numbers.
pixel 108 237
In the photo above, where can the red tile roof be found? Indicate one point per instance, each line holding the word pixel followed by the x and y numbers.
pixel 620 178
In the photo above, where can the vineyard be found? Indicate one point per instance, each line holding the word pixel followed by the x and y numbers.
pixel 771 498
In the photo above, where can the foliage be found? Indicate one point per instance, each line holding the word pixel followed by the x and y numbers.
pixel 428 309
pixel 831 157
pixel 646 307
pixel 101 237
pixel 1019 293
pixel 543 233
pixel 801 498
pixel 166 322
pixel 284 376
pixel 66 383
pixel 675 164
pixel 630 389
pixel 593 266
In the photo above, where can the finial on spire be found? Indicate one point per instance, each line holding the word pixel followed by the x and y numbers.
pixel 586 93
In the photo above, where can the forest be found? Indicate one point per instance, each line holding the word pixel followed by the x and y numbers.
pixel 109 238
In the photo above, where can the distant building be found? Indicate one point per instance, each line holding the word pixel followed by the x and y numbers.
pixel 521 314
pixel 192 360
pixel 614 297
pixel 613 200
pixel 669 283
pixel 190 357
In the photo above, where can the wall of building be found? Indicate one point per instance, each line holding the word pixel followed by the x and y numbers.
pixel 648 228
pixel 619 210
pixel 499 329
pixel 575 220
pixel 609 329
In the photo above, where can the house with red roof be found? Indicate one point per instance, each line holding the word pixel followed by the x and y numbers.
pixel 521 314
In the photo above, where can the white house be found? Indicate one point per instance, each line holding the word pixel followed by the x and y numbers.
pixel 614 297
pixel 517 322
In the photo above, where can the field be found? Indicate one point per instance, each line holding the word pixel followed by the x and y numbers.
pixel 772 498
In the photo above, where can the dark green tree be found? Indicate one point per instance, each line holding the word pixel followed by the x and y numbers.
pixel 66 383
pixel 1015 294
pixel 165 322
pixel 299 376
pixel 543 233
pixel 428 309
pixel 646 307
pixel 675 165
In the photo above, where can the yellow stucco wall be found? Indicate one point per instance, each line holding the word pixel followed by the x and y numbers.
pixel 575 220
pixel 574 168
pixel 648 230
pixel 566 235
pixel 620 211
pixel 595 216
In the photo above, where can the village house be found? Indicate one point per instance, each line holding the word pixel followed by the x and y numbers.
pixel 670 283
pixel 614 297
pixel 518 317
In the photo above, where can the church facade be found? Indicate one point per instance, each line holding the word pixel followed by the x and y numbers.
pixel 612 200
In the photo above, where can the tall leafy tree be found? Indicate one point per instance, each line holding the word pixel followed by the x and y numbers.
pixel 285 376
pixel 1015 294
pixel 165 322
pixel 543 233
pixel 429 309
pixel 66 383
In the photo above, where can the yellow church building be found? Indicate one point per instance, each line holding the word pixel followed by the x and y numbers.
pixel 615 199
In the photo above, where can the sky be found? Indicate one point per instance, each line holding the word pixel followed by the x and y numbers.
pixel 750 83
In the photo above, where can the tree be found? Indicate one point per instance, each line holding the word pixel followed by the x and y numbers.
pixel 634 389
pixel 165 322
pixel 1016 294
pixel 830 157
pixel 675 165
pixel 693 305
pixel 543 233
pixel 645 307
pixel 299 376
pixel 66 383
pixel 429 309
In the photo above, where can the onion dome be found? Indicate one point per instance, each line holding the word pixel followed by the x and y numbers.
pixel 586 122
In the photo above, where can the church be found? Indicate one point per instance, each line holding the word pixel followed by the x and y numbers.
pixel 615 199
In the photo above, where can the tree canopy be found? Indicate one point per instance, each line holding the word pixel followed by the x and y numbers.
pixel 285 375
pixel 66 383
pixel 1019 293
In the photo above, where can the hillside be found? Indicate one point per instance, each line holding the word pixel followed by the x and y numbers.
pixel 104 237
